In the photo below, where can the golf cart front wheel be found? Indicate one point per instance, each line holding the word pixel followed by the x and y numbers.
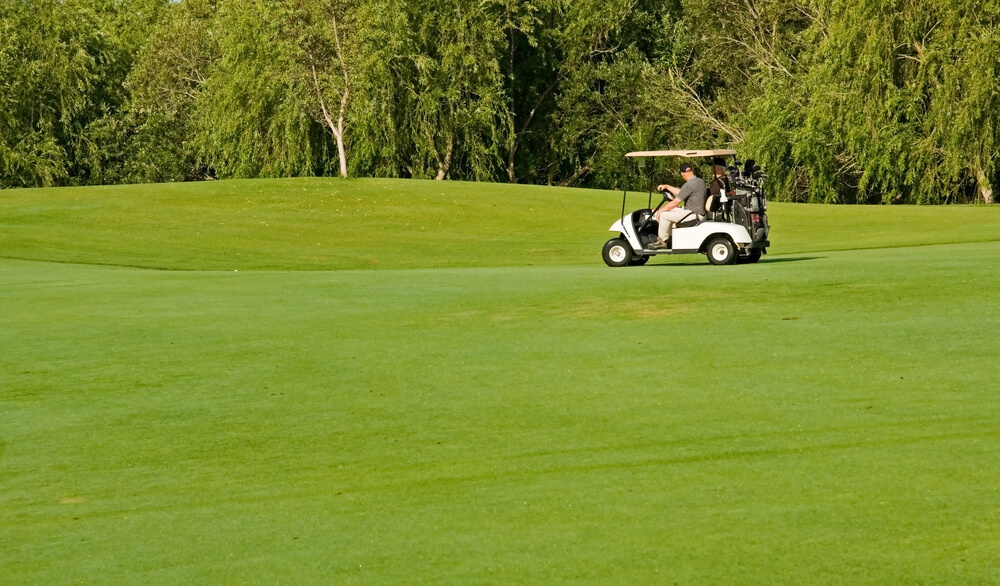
pixel 617 252
pixel 638 260
pixel 721 251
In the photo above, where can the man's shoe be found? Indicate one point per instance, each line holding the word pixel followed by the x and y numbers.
pixel 656 244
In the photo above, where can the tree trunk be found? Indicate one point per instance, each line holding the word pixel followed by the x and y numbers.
pixel 576 176
pixel 336 128
pixel 516 139
pixel 985 188
pixel 340 131
pixel 342 155
pixel 343 98
pixel 445 165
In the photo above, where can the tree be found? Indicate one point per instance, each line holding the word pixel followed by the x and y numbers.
pixel 434 94
pixel 62 71
pixel 319 26
pixel 609 98
pixel 531 72
pixel 885 102
pixel 164 88
pixel 317 60
pixel 266 108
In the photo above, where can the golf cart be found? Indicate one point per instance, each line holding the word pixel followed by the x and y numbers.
pixel 734 230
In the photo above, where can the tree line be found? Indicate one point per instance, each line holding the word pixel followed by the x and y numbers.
pixel 874 101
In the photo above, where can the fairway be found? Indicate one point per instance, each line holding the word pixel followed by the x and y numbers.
pixel 491 404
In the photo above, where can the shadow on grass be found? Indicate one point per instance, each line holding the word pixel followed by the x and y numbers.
pixel 764 260
pixel 787 259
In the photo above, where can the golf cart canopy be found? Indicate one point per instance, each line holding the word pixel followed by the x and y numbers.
pixel 716 153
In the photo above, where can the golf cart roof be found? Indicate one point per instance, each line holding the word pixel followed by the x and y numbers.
pixel 715 153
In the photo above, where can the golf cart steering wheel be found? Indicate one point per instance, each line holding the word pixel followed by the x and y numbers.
pixel 667 196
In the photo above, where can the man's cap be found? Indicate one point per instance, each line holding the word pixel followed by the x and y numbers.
pixel 685 167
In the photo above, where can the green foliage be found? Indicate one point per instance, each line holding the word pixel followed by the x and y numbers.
pixel 877 102
pixel 884 103
pixel 254 109
pixel 165 86
pixel 433 82
pixel 608 100
pixel 62 72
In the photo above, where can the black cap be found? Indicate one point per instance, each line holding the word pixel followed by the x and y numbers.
pixel 685 167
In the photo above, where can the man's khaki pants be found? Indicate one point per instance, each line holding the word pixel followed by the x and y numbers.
pixel 671 217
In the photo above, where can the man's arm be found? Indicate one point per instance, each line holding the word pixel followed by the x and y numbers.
pixel 670 188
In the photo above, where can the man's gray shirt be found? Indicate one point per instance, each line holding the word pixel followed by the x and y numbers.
pixel 692 193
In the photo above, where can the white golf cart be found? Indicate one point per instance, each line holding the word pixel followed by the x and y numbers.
pixel 735 229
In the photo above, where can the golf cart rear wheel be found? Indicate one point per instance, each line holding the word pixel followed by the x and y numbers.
pixel 617 252
pixel 721 251
pixel 752 255
pixel 638 260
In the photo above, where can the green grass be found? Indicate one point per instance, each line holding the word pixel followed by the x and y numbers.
pixel 820 417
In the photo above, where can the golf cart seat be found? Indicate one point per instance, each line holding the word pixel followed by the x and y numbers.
pixel 692 219
pixel 712 205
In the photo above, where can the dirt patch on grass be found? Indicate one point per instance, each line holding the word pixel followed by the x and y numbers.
pixel 634 309
pixel 591 308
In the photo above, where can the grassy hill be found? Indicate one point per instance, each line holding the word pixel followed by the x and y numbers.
pixel 323 224
pixel 492 404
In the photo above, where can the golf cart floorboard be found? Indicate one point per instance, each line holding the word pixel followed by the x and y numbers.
pixel 669 251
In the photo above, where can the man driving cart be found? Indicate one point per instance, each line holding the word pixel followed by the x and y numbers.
pixel 691 195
